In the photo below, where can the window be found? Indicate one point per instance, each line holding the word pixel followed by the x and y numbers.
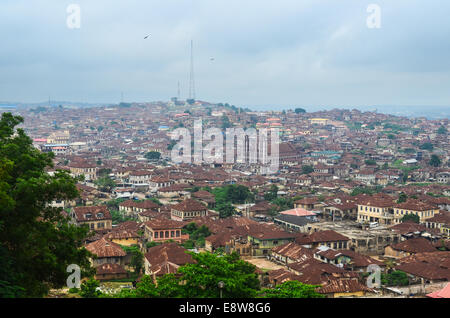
pixel 172 233
pixel 156 235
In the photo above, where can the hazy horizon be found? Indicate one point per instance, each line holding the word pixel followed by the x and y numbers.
pixel 245 53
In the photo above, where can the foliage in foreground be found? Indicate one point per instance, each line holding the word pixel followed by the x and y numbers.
pixel 292 289
pixel 37 243
pixel 203 279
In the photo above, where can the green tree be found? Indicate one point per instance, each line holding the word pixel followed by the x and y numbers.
pixel 202 278
pixel 37 242
pixel 427 146
pixel 104 172
pixel 442 130
pixel 300 110
pixel 292 289
pixel 402 198
pixel 152 155
pixel 435 161
pixel 272 194
pixel 89 289
pixel 226 210
pixel 307 169
pixel 395 278
pixel 370 162
pixel 226 122
pixel 105 184
pixel 283 203
pixel 233 193
pixel 196 235
pixel 171 144
pixel 410 217
pixel 137 261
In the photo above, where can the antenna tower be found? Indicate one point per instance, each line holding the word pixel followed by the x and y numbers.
pixel 191 74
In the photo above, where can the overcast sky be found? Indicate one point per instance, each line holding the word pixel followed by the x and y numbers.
pixel 283 52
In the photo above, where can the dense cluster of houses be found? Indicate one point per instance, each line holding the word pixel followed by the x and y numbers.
pixel 351 178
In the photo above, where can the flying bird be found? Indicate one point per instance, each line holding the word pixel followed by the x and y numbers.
pixel 146 36
pixel 212 59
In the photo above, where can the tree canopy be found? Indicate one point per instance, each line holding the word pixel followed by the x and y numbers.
pixel 153 155
pixel 435 161
pixel 411 217
pixel 201 280
pixel 37 243
pixel 292 289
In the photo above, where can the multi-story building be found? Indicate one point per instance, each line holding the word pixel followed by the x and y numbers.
pixel 95 217
pixel 89 170
pixel 423 210
pixel 161 230
pixel 187 210
pixel 376 209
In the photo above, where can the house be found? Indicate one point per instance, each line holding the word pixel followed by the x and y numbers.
pixel 219 240
pixel 165 259
pixel 161 230
pixel 139 178
pixel 412 206
pixel 188 210
pixel 327 238
pixel 376 208
pixel 86 169
pixel 176 190
pixel 106 252
pixel 409 247
pixel 292 222
pixel 133 207
pixel 441 222
pixel 410 229
pixel 262 238
pixel 346 259
pixel 295 219
pixel 341 211
pixel 337 288
pixel 280 276
pixel 124 237
pixel 314 272
pixel 95 217
pixel 443 293
pixel 290 253
pixel 205 197
pixel 370 241
pixel 109 271
pixel 426 268
pixel 309 204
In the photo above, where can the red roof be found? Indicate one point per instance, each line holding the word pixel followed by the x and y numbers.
pixel 443 293
pixel 298 212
